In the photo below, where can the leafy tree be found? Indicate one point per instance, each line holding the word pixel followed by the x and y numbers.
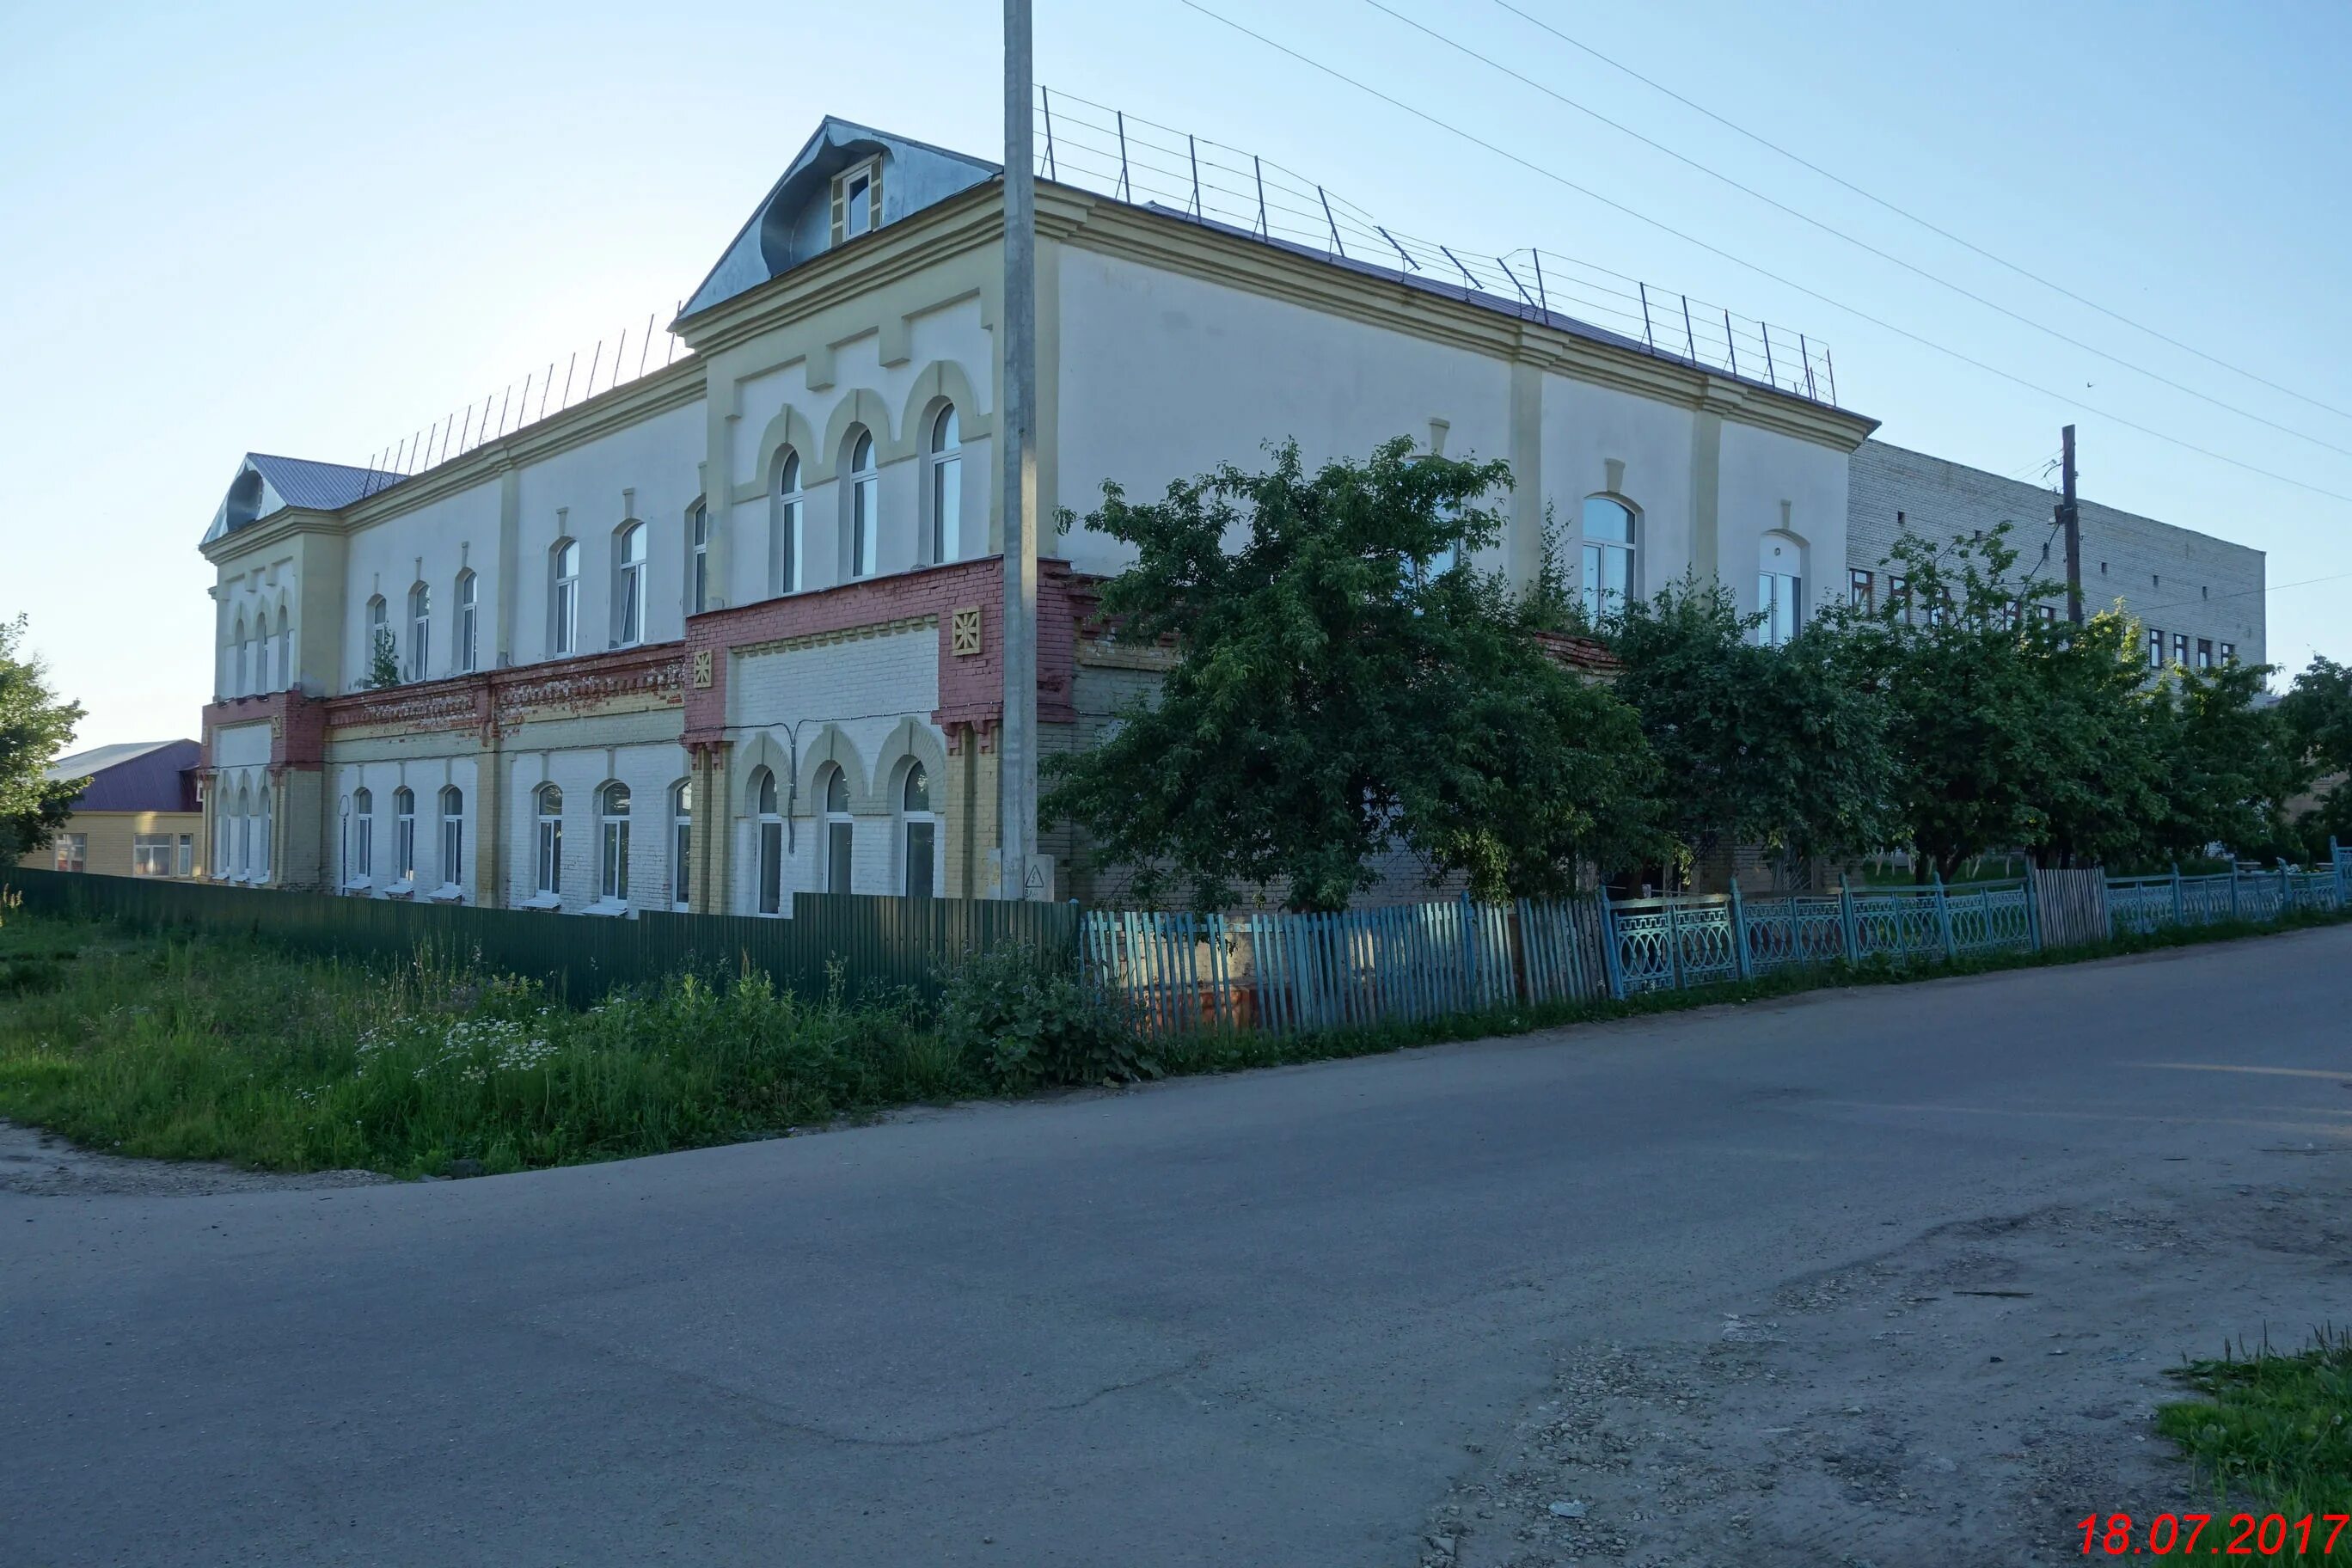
pixel 2230 766
pixel 2317 716
pixel 2008 731
pixel 35 726
pixel 1344 683
pixel 1779 746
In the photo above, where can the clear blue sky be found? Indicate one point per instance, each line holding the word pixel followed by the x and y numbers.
pixel 287 229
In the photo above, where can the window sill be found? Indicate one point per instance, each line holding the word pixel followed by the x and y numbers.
pixel 359 885
pixel 611 909
pixel 446 893
pixel 400 891
pixel 542 901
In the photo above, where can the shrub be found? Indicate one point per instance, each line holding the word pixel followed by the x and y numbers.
pixel 1021 1020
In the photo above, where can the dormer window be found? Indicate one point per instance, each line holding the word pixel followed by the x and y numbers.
pixel 857 200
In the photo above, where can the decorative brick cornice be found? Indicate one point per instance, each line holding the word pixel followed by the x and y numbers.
pixel 505 699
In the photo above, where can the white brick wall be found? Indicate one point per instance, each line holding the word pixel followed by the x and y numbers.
pixel 649 772
pixel 425 777
pixel 2174 579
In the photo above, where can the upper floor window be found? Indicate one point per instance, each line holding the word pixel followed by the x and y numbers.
pixel 453 836
pixel 945 488
pixel 2228 653
pixel 420 630
pixel 2155 649
pixel 564 600
pixel 285 649
pixel 379 655
pixel 261 653
pixel 2180 649
pixel 466 652
pixel 768 849
pixel 1781 588
pixel 613 844
pixel 698 576
pixel 2204 653
pixel 629 585
pixel 239 651
pixel 858 201
pixel 784 545
pixel 1857 590
pixel 865 500
pixel 1609 544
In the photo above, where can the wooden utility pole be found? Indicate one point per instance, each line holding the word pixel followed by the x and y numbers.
pixel 1016 747
pixel 2070 518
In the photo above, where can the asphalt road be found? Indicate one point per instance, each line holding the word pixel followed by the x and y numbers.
pixel 1244 1321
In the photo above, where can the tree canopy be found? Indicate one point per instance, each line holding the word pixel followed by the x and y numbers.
pixel 35 727
pixel 1345 684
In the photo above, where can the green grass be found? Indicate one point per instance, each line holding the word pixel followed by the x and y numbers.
pixel 199 1046
pixel 2276 1429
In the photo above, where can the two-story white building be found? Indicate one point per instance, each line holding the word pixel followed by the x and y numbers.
pixel 730 630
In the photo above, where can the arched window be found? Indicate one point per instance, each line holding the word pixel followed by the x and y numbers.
pixel 563 597
pixel 768 853
pixel 220 803
pixel 839 831
pixel 261 653
pixel 784 543
pixel 864 503
pixel 361 864
pixel 464 649
pixel 420 631
pixel 236 686
pixel 403 836
pixel 1609 545
pixel 681 847
pixel 549 804
pixel 629 585
pixel 261 835
pixel 285 649
pixel 945 491
pixel 918 833
pixel 1780 588
pixel 244 833
pixel 698 576
pixel 613 844
pixel 379 648
pixel 453 836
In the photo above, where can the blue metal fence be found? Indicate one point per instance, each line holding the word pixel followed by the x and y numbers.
pixel 1297 972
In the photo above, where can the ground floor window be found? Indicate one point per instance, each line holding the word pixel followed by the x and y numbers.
pixel 613 885
pixel 150 854
pixel 72 851
pixel 187 855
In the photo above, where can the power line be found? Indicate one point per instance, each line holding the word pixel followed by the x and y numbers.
pixel 1859 243
pixel 1765 272
pixel 1913 217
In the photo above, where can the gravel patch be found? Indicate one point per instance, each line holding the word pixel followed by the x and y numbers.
pixel 34 1163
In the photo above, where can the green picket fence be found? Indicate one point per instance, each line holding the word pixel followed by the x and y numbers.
pixel 876 945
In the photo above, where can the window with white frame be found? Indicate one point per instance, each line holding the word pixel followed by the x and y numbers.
pixel 453 836
pixel 261 834
pixel 72 851
pixel 239 667
pixel 681 847
pixel 857 200
pixel 768 883
pixel 629 585
pixel 261 653
pixel 151 854
pixel 549 860
pixel 403 836
pixel 420 632
pixel 464 649
pixel 563 597
pixel 698 576
pixel 285 649
pixel 218 861
pixel 613 844
pixel 187 860
pixel 244 833
pixel 945 465
pixel 1780 589
pixel 864 505
pixel 784 541
pixel 362 860
pixel 379 636
pixel 1607 544
pixel 918 833
pixel 840 832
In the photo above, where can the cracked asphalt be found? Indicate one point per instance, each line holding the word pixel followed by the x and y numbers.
pixel 1270 1319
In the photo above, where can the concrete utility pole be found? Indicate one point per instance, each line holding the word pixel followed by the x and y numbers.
pixel 2070 518
pixel 1016 744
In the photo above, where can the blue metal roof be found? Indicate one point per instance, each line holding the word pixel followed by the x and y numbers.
pixel 267 484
